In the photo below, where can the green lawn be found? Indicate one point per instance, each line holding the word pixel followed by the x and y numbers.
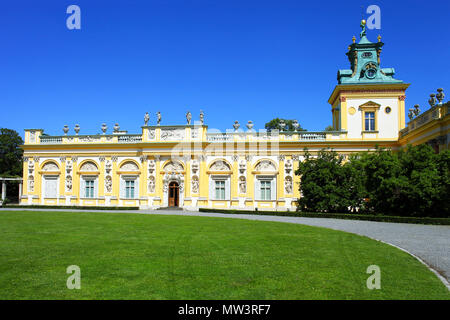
pixel 134 256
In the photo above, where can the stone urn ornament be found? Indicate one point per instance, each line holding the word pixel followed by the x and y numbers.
pixel 250 125
pixel 116 127
pixel 104 128
pixel 432 100
pixel 77 129
pixel 440 96
pixel 282 125
pixel 66 129
pixel 295 124
pixel 236 125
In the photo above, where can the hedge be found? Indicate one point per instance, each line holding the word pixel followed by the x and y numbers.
pixel 379 218
pixel 68 207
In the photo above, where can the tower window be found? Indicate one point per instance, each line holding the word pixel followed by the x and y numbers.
pixel 369 121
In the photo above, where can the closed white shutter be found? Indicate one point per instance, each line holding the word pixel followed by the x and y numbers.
pixel 50 187
pixel 96 188
pixel 212 191
pixel 122 188
pixel 227 189
pixel 273 189
pixel 257 188
pixel 82 188
pixel 136 188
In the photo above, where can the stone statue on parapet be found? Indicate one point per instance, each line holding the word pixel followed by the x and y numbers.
pixel 188 117
pixel 158 118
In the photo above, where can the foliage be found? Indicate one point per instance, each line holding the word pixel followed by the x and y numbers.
pixel 275 124
pixel 412 182
pixel 329 128
pixel 328 184
pixel 10 153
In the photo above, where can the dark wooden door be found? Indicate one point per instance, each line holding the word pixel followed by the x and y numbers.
pixel 174 193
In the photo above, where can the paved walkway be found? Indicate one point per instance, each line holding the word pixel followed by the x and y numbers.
pixel 428 242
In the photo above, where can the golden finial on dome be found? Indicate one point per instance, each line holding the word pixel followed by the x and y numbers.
pixel 363 22
pixel 354 39
pixel 379 38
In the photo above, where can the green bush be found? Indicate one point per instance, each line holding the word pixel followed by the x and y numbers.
pixel 413 182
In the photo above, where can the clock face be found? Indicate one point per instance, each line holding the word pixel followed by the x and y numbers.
pixel 370 73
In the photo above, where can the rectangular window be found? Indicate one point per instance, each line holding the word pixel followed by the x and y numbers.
pixel 89 189
pixel 265 190
pixel 369 121
pixel 220 189
pixel 129 189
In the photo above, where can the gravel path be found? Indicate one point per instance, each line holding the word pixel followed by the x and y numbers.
pixel 428 242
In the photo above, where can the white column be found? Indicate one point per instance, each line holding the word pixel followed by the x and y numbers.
pixel 20 191
pixel 3 190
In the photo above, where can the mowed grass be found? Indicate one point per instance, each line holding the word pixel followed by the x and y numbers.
pixel 136 256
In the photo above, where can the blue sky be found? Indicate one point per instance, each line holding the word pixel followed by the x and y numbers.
pixel 236 60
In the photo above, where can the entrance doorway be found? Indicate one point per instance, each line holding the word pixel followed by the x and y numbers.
pixel 174 194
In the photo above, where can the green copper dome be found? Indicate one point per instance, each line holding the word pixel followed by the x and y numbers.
pixel 364 58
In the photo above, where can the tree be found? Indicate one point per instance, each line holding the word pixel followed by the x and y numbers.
pixel 328 184
pixel 329 128
pixel 411 182
pixel 275 124
pixel 10 153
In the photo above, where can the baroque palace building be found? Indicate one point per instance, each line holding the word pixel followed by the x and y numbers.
pixel 192 167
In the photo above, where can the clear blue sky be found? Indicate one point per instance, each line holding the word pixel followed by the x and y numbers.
pixel 237 60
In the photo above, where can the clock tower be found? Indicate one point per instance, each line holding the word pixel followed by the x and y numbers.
pixel 368 102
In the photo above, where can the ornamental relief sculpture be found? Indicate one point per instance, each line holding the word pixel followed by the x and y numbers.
pixel 88 166
pixel 220 165
pixel 173 167
pixel 129 166
pixel 172 134
pixel 151 134
pixel 51 166
pixel 265 165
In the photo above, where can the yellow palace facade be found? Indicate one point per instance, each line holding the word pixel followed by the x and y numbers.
pixel 191 167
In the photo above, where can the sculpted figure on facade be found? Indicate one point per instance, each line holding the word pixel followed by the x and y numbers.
pixel 69 183
pixel 146 119
pixel 151 184
pixel 242 185
pixel 288 185
pixel 195 184
pixel 30 184
pixel 108 184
